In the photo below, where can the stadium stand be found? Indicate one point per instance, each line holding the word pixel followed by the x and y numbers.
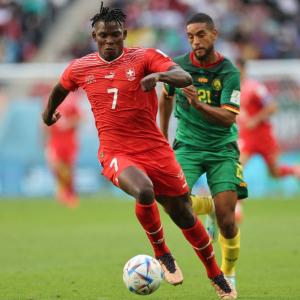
pixel 23 26
pixel 274 34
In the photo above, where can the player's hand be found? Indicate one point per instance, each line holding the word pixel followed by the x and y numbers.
pixel 191 93
pixel 149 82
pixel 50 119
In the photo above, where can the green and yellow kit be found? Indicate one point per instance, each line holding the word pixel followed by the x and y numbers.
pixel 200 146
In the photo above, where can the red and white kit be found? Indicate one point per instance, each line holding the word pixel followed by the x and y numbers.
pixel 125 116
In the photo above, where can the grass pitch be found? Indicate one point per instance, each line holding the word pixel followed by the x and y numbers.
pixel 49 252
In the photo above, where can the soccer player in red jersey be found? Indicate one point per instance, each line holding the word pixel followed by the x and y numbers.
pixel 62 149
pixel 120 85
pixel 255 129
pixel 256 133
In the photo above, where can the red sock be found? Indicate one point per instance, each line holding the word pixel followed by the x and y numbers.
pixel 148 215
pixel 199 239
pixel 285 170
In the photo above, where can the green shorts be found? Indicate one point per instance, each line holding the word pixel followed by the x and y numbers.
pixel 222 167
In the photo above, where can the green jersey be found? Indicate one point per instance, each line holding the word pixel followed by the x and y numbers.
pixel 218 85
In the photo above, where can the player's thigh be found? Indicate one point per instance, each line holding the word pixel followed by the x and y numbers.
pixel 191 162
pixel 135 182
pixel 122 169
pixel 165 172
pixel 226 174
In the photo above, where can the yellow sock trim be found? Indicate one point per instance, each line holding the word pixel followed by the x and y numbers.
pixel 202 205
pixel 230 249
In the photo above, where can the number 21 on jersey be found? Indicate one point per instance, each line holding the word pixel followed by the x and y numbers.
pixel 113 91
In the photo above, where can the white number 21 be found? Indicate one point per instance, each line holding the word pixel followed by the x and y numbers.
pixel 115 97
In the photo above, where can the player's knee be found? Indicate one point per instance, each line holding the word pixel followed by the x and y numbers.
pixel 227 225
pixel 145 194
pixel 182 214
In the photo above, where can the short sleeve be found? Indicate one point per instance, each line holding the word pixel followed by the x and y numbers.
pixel 157 61
pixel 231 94
pixel 169 90
pixel 66 79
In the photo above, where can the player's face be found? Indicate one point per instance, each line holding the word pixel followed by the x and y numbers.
pixel 109 37
pixel 202 39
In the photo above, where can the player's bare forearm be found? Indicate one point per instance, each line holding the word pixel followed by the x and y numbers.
pixel 176 77
pixel 165 111
pixel 57 96
pixel 215 115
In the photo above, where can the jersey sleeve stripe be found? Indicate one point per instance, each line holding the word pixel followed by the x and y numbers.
pixel 231 108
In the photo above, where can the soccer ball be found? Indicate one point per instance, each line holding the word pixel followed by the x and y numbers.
pixel 142 274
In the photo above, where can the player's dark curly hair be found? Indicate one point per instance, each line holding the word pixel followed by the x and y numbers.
pixel 107 14
pixel 201 18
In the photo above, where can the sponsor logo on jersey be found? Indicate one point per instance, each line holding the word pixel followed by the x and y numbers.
pixel 202 80
pixel 90 79
pixel 130 74
pixel 235 97
pixel 111 75
pixel 216 84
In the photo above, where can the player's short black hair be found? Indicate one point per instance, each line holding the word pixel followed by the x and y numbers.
pixel 201 18
pixel 240 61
pixel 107 14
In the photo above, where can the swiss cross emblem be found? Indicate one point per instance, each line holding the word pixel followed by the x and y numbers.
pixel 130 74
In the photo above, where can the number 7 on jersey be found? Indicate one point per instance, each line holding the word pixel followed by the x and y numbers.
pixel 115 96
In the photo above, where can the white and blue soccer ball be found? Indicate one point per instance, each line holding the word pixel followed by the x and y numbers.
pixel 142 274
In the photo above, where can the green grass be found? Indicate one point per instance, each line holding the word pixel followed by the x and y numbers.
pixel 50 252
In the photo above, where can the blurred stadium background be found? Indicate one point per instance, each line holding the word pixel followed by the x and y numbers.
pixel 38 38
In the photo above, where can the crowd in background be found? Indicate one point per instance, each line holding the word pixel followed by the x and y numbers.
pixel 23 25
pixel 251 29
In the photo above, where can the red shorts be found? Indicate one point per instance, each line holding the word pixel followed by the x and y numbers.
pixel 61 154
pixel 159 164
pixel 263 143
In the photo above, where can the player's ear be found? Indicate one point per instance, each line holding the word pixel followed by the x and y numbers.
pixel 124 34
pixel 94 34
pixel 215 33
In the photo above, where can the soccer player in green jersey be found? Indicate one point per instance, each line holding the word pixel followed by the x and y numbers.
pixel 206 136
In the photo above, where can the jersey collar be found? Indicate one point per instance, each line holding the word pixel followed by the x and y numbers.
pixel 197 64
pixel 116 59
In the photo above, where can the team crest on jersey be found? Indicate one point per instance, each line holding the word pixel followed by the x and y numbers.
pixel 216 84
pixel 90 79
pixel 130 74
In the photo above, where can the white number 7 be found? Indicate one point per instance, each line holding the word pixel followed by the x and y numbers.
pixel 115 98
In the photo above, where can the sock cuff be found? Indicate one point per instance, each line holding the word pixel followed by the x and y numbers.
pixel 187 230
pixel 230 242
pixel 146 205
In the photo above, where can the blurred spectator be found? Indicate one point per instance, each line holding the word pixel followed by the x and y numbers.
pixel 248 28
pixel 252 29
pixel 23 24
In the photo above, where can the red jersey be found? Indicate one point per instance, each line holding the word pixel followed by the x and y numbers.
pixel 63 133
pixel 125 116
pixel 254 97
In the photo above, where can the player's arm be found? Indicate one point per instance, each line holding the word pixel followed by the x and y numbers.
pixel 57 96
pixel 215 115
pixel 174 76
pixel 166 102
